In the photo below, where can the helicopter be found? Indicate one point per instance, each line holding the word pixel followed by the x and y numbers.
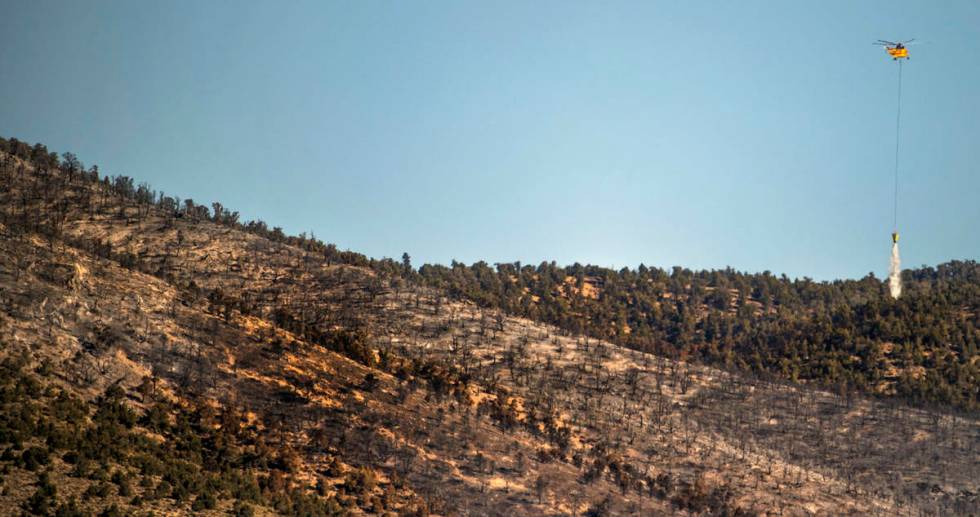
pixel 895 50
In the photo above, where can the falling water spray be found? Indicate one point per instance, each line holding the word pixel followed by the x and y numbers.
pixel 895 271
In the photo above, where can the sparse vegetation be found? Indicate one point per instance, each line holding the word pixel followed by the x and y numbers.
pixel 157 356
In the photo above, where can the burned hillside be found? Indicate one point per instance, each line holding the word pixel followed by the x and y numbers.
pixel 241 370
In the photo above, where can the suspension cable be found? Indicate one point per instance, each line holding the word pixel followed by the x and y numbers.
pixel 898 128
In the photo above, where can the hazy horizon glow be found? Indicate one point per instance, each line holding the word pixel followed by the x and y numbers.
pixel 756 135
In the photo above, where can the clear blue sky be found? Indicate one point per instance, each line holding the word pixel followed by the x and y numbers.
pixel 705 134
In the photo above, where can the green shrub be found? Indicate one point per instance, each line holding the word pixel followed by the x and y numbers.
pixel 121 479
pixel 242 509
pixel 361 480
pixel 34 457
pixel 162 490
pixel 43 499
pixel 204 501
pixel 97 490
pixel 112 511
pixel 70 509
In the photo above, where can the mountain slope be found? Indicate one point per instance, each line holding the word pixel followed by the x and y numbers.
pixel 846 335
pixel 347 388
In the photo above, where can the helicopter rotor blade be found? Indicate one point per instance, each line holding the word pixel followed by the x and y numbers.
pixel 884 42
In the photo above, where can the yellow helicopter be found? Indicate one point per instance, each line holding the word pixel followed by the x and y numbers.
pixel 895 50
